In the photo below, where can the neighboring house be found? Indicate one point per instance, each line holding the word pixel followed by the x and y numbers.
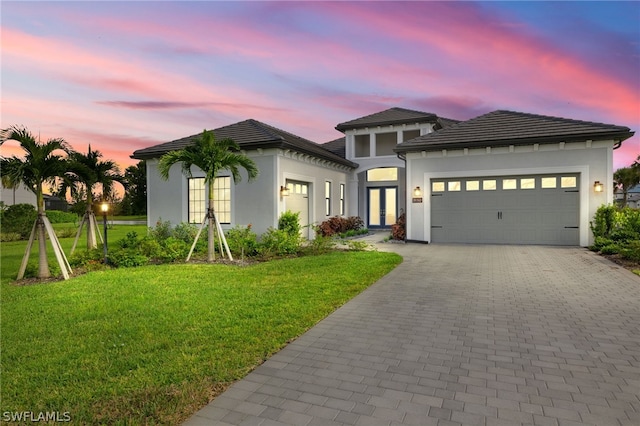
pixel 21 195
pixel 17 195
pixel 633 197
pixel 503 177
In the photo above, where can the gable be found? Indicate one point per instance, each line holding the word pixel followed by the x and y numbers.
pixel 387 117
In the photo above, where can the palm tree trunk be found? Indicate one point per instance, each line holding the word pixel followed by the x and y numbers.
pixel 211 240
pixel 43 262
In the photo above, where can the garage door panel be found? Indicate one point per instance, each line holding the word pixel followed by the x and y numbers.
pixel 516 215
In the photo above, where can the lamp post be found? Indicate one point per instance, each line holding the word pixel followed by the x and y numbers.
pixel 105 209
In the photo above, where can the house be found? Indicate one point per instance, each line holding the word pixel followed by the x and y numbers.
pixel 633 197
pixel 503 177
pixel 294 174
pixel 17 195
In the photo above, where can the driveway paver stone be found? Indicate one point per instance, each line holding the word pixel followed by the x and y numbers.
pixel 460 335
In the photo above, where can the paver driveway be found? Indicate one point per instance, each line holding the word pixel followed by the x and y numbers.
pixel 460 334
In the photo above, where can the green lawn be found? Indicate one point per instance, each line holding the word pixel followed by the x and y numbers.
pixel 11 252
pixel 151 345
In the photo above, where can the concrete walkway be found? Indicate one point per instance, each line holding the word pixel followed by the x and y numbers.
pixel 461 334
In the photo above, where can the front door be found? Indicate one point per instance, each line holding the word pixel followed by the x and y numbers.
pixel 382 205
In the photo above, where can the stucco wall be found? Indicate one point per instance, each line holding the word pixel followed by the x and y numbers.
pixel 307 169
pixel 257 202
pixel 592 160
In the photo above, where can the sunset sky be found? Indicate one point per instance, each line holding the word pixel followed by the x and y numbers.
pixel 127 75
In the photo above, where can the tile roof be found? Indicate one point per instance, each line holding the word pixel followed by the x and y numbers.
pixel 337 146
pixel 250 134
pixel 502 128
pixel 390 116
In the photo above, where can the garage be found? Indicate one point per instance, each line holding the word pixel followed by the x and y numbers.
pixel 521 209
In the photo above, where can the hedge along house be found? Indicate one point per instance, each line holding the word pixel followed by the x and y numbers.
pixel 294 174
pixel 376 190
pixel 509 178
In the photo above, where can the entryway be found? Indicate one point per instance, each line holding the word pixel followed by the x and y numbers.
pixel 382 206
pixel 298 201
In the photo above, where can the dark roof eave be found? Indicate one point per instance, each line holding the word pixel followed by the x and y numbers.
pixel 345 126
pixel 278 143
pixel 618 136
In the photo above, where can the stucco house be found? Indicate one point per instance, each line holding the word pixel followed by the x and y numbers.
pixel 503 177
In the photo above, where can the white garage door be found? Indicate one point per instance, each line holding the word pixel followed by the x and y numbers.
pixel 506 210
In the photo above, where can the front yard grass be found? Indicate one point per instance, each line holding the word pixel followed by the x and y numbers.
pixel 152 345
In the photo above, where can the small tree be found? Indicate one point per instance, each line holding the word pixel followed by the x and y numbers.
pixel 84 173
pixel 211 156
pixel 625 179
pixel 40 165
pixel 134 201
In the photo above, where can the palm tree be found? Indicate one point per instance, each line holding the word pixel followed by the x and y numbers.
pixel 625 179
pixel 84 172
pixel 40 165
pixel 211 156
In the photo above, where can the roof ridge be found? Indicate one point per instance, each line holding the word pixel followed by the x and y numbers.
pixel 554 118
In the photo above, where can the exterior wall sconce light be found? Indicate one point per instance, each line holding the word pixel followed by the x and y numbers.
pixel 104 207
pixel 417 192
pixel 597 186
pixel 284 191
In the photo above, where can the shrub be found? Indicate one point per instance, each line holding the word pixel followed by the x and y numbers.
pixel 610 249
pixel 57 216
pixel 603 221
pixel 356 245
pixel 339 225
pixel 91 260
pixel 600 242
pixel 161 231
pixel 398 229
pixel 6 237
pixel 354 223
pixel 66 232
pixel 631 251
pixel 278 242
pixel 19 218
pixel 321 244
pixel 127 257
pixel 290 223
pixel 173 249
pixel 185 231
pixel 242 241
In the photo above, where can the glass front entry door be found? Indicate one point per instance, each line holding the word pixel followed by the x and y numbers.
pixel 382 206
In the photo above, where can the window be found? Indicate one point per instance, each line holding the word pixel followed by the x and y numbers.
pixel 509 184
pixel 327 198
pixel 410 134
pixel 473 185
pixel 363 148
pixel 342 199
pixel 453 186
pixel 549 182
pixel 197 200
pixel 527 183
pixel 437 186
pixel 222 198
pixel 385 142
pixel 382 174
pixel 489 185
pixel 568 182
